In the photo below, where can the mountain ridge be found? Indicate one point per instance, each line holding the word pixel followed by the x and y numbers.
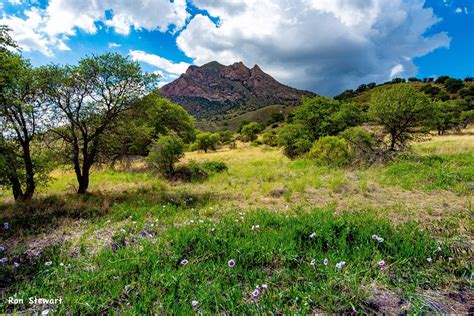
pixel 213 89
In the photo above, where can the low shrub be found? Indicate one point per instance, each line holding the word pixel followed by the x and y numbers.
pixel 330 150
pixel 214 166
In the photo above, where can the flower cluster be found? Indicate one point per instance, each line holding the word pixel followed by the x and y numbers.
pixel 259 290
pixel 379 239
pixel 340 265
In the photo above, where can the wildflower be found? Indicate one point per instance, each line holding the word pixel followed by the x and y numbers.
pixel 380 239
pixel 264 286
pixel 191 221
pixel 381 264
pixel 255 227
pixel 4 259
pixel 213 229
pixel 45 312
pixel 184 262
pixel 16 264
pixel 255 293
pixel 450 259
pixel 429 260
pixel 312 236
pixel 439 248
pixel 194 304
pixel 325 261
pixel 48 263
pixel 123 231
pixel 6 226
pixel 340 265
pixel 313 262
pixel 231 263
pixel 61 264
pixel 2 249
pixel 374 237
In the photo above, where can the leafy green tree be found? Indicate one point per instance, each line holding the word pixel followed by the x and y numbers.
pixel 330 151
pixel 87 100
pixel 295 140
pixel 165 152
pixel 250 131
pixel 21 118
pixel 445 116
pixel 402 112
pixel 324 116
pixel 467 117
pixel 366 146
pixel 441 79
pixel 5 39
pixel 165 117
pixel 226 136
pixel 206 141
pixel 453 85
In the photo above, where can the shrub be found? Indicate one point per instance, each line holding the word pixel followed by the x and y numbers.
pixel 330 150
pixel 206 141
pixel 295 140
pixel 165 152
pixel 364 145
pixel 250 131
pixel 214 166
pixel 191 172
pixel 270 138
pixel 453 85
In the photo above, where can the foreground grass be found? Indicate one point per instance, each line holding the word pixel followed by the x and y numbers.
pixel 119 248
pixel 141 271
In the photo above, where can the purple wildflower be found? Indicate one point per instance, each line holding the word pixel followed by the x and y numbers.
pixel 231 263
pixel 194 304
pixel 313 262
pixel 326 261
pixel 381 264
pixel 340 265
pixel 16 264
pixel 380 239
pixel 3 260
pixel 6 226
pixel 429 260
pixel 255 293
pixel 264 286
pixel 374 237
pixel 184 262
pixel 48 263
pixel 2 249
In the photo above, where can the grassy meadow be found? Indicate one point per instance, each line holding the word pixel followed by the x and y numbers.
pixel 268 235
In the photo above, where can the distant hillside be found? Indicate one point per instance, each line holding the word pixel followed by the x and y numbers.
pixel 214 89
pixel 232 122
pixel 440 89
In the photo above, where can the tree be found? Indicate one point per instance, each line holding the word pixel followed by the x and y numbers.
pixel 165 117
pixel 87 101
pixel 446 116
pixel 402 112
pixel 5 39
pixel 453 85
pixel 226 136
pixel 206 141
pixel 21 117
pixel 441 79
pixel 165 152
pixel 250 131
pixel 324 116
pixel 295 140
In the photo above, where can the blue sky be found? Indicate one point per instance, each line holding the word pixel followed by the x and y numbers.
pixel 321 45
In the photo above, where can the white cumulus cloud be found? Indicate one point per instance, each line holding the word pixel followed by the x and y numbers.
pixel 114 45
pixel 321 45
pixel 171 69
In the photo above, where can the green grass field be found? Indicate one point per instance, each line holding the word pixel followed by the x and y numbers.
pixel 121 248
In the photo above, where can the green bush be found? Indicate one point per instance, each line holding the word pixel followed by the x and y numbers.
pixel 165 152
pixel 250 131
pixel 270 138
pixel 364 145
pixel 214 166
pixel 295 140
pixel 330 151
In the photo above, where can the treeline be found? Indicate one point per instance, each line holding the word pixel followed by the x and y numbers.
pixel 100 110
pixel 341 132
pixel 444 88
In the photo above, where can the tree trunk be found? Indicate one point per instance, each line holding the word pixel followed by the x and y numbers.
pixel 83 183
pixel 16 188
pixel 30 173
